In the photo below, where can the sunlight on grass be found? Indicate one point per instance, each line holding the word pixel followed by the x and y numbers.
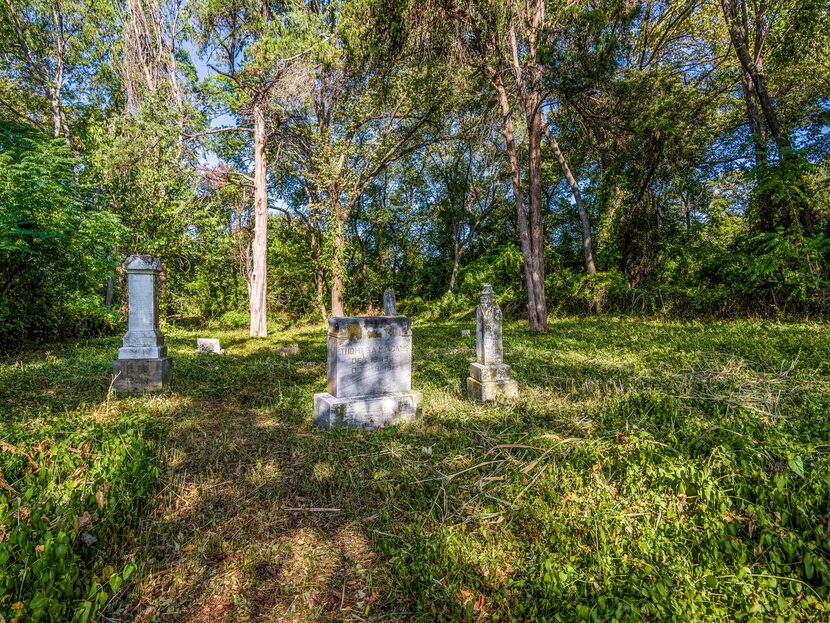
pixel 646 468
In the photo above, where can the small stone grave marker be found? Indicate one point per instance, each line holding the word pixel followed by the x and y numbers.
pixel 206 345
pixel 389 303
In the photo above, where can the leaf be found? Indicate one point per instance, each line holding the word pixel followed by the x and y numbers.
pixel 85 611
pixel 115 582
pixel 796 464
pixel 809 568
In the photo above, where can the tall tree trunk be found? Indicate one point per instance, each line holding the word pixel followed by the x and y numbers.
pixel 54 100
pixel 108 295
pixel 518 194
pixel 781 139
pixel 339 245
pixel 587 241
pixel 737 16
pixel 456 261
pixel 537 237
pixel 259 278
pixel 759 138
pixel 736 20
pixel 320 285
pixel 319 276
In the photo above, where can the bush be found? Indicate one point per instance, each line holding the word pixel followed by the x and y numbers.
pixel 235 319
pixel 55 246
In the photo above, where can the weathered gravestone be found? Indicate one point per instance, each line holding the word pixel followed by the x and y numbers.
pixel 207 345
pixel 142 364
pixel 389 303
pixel 489 375
pixel 369 373
pixel 289 351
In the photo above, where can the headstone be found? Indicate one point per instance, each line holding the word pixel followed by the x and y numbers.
pixel 369 373
pixel 206 345
pixel 389 304
pixel 489 375
pixel 142 364
pixel 465 332
pixel 287 351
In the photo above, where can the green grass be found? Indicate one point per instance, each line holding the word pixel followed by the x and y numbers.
pixel 649 471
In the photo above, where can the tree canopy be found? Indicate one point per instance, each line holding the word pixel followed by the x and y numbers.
pixel 298 158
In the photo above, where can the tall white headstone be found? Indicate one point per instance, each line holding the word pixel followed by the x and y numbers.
pixel 142 364
pixel 489 375
pixel 369 373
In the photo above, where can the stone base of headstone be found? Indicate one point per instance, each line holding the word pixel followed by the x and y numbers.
pixel 369 412
pixel 141 376
pixel 489 382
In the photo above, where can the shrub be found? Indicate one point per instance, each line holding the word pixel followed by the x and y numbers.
pixel 235 319
pixel 55 246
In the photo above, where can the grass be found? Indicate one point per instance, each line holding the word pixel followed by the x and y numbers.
pixel 649 471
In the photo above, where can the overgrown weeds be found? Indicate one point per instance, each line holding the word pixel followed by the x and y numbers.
pixel 648 471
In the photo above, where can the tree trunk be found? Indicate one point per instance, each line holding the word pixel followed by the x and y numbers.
pixel 339 245
pixel 174 79
pixel 259 279
pixel 108 296
pixel 518 195
pixel 537 238
pixel 319 276
pixel 587 243
pixel 54 100
pixel 456 260
pixel 738 33
pixel 759 138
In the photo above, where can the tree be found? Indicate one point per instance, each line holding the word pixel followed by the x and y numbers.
pixel 55 244
pixel 758 31
pixel 256 45
pixel 45 44
pixel 150 38
pixel 467 178
pixel 359 121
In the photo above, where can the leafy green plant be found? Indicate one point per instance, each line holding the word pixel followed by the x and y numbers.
pixel 66 507
pixel 56 248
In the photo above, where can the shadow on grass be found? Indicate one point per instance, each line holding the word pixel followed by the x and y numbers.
pixel 262 517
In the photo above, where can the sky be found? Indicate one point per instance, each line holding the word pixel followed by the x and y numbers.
pixel 208 158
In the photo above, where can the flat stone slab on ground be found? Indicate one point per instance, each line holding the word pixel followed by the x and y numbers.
pixel 208 345
pixel 286 351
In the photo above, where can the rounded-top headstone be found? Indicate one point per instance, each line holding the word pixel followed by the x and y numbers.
pixel 488 297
